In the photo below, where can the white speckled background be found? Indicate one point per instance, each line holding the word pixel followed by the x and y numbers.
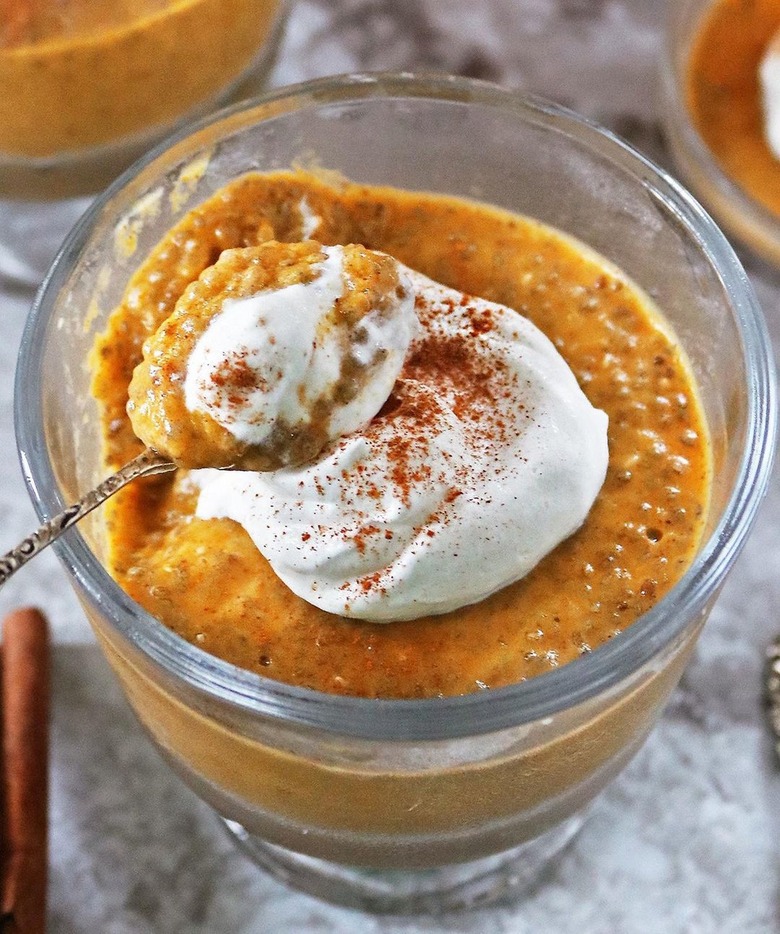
pixel 686 840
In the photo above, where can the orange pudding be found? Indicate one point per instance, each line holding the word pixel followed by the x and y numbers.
pixel 723 94
pixel 206 580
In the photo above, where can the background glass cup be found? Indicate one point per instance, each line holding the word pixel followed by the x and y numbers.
pixel 430 804
pixel 740 215
pixel 89 86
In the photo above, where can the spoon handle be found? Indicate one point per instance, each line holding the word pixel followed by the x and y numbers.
pixel 147 463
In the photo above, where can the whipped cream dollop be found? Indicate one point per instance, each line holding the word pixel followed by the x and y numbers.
pixel 769 79
pixel 281 356
pixel 485 456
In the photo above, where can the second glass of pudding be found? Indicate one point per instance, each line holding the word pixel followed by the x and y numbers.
pixel 395 802
pixel 714 112
pixel 90 85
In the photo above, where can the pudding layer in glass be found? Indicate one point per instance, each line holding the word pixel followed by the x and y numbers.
pixel 206 580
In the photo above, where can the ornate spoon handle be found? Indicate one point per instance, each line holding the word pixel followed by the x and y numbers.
pixel 773 689
pixel 147 463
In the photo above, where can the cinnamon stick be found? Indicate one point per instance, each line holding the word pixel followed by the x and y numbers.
pixel 25 734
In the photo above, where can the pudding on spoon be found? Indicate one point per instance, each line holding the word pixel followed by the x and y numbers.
pixel 271 354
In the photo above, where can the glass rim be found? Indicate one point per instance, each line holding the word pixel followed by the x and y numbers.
pixel 437 718
pixel 753 216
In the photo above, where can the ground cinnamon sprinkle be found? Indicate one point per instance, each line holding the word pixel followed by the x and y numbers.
pixel 443 370
pixel 476 384
pixel 236 372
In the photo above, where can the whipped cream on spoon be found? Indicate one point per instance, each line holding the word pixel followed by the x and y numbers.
pixel 272 354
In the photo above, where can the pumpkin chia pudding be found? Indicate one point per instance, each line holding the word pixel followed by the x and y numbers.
pixel 201 572
pixel 80 74
pixel 394 700
pixel 89 86
pixel 732 92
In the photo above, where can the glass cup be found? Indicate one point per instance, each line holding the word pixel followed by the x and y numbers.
pixel 88 87
pixel 403 805
pixel 740 215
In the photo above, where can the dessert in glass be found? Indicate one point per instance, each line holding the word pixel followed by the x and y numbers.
pixel 88 86
pixel 441 758
pixel 721 96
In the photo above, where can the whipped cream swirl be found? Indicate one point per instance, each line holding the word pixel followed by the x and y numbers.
pixel 484 457
pixel 769 79
pixel 293 353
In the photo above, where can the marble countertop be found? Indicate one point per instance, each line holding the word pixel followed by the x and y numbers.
pixel 687 839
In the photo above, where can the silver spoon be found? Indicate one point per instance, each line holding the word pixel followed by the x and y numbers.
pixel 147 463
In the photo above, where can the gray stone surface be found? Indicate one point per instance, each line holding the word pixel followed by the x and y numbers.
pixel 686 840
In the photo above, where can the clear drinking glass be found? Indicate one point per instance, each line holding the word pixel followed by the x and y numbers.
pixel 741 215
pixel 89 85
pixel 393 805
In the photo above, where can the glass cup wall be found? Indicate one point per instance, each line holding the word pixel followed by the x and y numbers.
pixel 326 785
